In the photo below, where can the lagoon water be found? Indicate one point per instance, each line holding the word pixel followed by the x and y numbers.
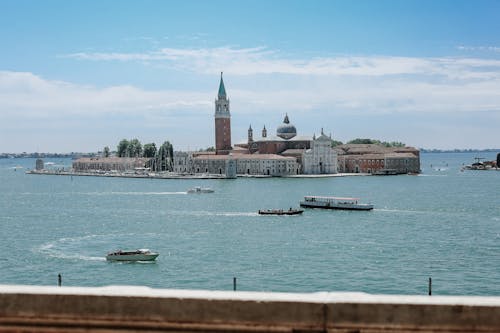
pixel 443 224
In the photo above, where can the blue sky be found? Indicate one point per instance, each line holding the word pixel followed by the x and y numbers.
pixel 81 75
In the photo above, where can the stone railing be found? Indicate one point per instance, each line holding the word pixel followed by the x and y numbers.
pixel 127 309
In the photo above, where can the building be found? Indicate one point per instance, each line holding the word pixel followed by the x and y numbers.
pixel 288 153
pixel 285 138
pixel 119 164
pixel 377 159
pixel 276 155
pixel 321 158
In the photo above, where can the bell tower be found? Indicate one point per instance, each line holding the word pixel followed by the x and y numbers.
pixel 222 121
pixel 250 134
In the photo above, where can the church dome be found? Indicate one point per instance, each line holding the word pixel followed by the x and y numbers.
pixel 287 130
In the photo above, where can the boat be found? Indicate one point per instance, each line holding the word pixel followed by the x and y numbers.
pixel 290 211
pixel 199 189
pixel 478 165
pixel 334 203
pixel 134 255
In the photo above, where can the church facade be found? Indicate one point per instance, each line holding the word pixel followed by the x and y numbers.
pixel 321 157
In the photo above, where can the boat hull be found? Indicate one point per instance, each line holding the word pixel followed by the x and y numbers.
pixel 281 212
pixel 132 257
pixel 200 190
pixel 325 205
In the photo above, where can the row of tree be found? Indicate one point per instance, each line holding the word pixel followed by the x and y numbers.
pixel 371 141
pixel 161 158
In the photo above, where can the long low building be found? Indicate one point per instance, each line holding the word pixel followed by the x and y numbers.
pixel 377 159
pixel 120 164
pixel 241 164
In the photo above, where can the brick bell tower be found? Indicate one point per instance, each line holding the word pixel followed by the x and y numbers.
pixel 222 121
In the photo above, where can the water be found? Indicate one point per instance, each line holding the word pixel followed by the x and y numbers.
pixel 442 224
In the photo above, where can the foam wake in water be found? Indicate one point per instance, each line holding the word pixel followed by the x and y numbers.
pixel 235 214
pixel 73 247
pixel 51 250
pixel 133 193
pixel 208 213
pixel 400 211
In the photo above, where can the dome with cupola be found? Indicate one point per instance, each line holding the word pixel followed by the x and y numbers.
pixel 287 130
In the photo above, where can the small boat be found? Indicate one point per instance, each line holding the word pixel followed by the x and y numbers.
pixel 334 203
pixel 199 189
pixel 281 211
pixel 135 255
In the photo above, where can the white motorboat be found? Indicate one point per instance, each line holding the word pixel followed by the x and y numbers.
pixel 134 255
pixel 199 189
pixel 334 203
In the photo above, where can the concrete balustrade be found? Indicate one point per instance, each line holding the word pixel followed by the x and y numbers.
pixel 128 309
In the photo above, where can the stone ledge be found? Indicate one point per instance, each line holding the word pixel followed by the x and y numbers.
pixel 128 308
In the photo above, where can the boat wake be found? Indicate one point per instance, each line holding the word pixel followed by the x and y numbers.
pixel 236 214
pixel 134 193
pixel 51 250
pixel 71 247
pixel 208 213
pixel 400 211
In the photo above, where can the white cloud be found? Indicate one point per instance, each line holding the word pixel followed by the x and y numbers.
pixel 321 90
pixel 261 60
pixel 479 48
pixel 30 96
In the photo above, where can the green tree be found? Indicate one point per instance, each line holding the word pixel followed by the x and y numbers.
pixel 378 142
pixel 106 151
pixel 211 148
pixel 165 157
pixel 134 148
pixel 336 143
pixel 397 144
pixel 364 141
pixel 122 149
pixel 149 150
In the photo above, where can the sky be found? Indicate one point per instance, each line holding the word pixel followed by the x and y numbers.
pixel 76 76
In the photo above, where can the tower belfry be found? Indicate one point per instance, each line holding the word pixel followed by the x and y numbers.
pixel 222 121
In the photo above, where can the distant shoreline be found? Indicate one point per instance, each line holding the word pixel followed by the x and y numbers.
pixel 172 175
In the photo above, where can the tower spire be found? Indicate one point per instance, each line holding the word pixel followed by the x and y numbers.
pixel 286 120
pixel 222 89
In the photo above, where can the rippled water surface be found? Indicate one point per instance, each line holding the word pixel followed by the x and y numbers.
pixel 443 224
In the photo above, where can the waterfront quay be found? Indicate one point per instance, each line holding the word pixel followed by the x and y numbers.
pixel 174 175
pixel 154 175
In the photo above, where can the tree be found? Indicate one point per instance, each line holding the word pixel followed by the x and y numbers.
pixel 135 148
pixel 336 143
pixel 106 151
pixel 149 150
pixel 395 144
pixel 378 142
pixel 122 149
pixel 165 157
pixel 364 141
